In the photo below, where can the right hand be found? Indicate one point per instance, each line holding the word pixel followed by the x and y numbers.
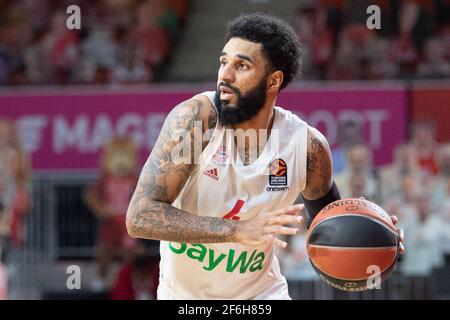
pixel 265 228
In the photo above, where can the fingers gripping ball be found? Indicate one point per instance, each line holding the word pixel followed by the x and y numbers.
pixel 352 241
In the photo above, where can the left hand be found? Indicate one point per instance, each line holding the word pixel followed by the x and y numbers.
pixel 401 235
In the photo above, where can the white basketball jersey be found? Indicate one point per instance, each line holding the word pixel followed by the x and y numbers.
pixel 222 186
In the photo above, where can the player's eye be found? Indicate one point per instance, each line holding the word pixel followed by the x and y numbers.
pixel 223 62
pixel 243 66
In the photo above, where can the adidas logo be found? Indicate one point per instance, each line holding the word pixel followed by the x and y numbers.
pixel 212 173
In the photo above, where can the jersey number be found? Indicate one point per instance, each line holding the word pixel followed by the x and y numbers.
pixel 233 213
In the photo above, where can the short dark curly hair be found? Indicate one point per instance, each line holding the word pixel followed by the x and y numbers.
pixel 279 41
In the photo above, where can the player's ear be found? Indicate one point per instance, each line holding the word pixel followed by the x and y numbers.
pixel 275 80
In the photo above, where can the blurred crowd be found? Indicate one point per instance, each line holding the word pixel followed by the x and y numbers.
pixel 14 189
pixel 130 41
pixel 413 41
pixel 108 199
pixel 415 187
pixel 120 41
pixel 15 197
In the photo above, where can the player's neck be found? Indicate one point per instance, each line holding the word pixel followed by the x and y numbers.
pixel 249 152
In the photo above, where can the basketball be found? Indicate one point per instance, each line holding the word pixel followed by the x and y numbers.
pixel 352 244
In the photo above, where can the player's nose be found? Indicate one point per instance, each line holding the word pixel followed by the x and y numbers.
pixel 226 74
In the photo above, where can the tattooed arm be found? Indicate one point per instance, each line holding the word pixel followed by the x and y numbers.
pixel 319 175
pixel 150 213
pixel 320 189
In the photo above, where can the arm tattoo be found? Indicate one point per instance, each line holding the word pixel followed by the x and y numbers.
pixel 150 214
pixel 319 169
pixel 162 221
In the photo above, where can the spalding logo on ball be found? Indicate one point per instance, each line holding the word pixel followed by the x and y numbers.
pixel 349 239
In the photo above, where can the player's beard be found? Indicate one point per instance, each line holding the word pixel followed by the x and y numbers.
pixel 247 106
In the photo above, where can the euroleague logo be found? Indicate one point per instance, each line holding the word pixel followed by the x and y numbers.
pixel 278 176
pixel 278 168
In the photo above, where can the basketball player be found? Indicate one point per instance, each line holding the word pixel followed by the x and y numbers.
pixel 220 215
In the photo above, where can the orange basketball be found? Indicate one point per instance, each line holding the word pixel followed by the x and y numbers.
pixel 353 244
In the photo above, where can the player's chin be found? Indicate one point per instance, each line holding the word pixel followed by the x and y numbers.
pixel 227 105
